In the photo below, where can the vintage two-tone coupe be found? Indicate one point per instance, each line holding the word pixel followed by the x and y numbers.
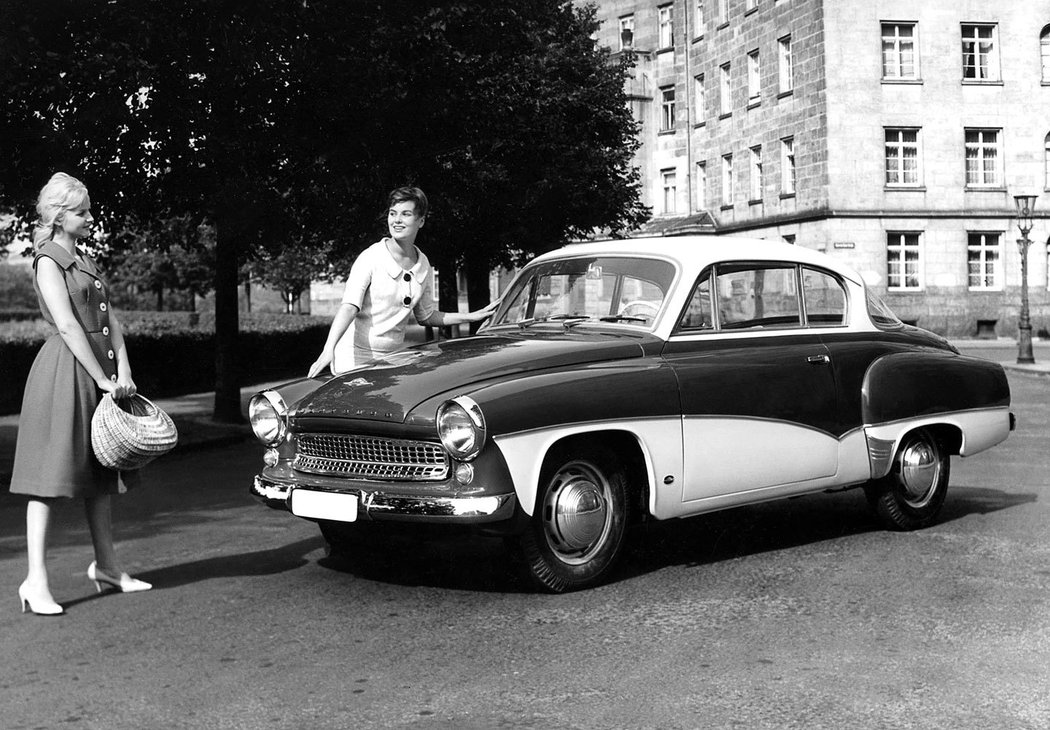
pixel 636 380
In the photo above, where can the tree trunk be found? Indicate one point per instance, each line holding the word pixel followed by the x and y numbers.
pixel 477 289
pixel 448 292
pixel 227 367
pixel 160 298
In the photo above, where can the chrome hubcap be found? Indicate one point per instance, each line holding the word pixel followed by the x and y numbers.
pixel 576 513
pixel 920 473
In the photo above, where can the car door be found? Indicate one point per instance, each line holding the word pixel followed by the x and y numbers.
pixel 758 397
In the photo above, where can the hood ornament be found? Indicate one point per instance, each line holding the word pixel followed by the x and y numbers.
pixel 357 383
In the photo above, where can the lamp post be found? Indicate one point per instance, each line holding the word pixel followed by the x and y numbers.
pixel 1025 204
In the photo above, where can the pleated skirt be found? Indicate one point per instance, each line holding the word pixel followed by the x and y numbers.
pixel 53 454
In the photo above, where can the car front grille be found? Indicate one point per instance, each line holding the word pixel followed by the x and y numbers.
pixel 367 457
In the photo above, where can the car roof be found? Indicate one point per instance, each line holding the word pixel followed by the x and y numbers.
pixel 694 252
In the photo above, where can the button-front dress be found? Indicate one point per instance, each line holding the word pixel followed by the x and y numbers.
pixel 53 454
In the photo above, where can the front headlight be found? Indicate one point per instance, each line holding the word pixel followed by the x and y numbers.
pixel 266 412
pixel 461 427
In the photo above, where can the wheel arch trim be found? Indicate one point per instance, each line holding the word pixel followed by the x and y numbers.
pixel 976 430
pixel 659 442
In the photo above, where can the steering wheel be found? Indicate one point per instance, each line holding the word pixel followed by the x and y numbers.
pixel 639 308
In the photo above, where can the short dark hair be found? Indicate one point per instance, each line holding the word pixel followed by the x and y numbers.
pixel 406 194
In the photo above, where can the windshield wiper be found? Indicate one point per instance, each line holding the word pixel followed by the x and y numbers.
pixel 569 320
pixel 622 318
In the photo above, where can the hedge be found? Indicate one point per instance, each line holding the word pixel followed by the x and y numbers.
pixel 169 356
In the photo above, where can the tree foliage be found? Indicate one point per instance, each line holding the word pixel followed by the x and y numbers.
pixel 262 119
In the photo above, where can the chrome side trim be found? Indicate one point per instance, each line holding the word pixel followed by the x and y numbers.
pixel 880 456
pixel 379 505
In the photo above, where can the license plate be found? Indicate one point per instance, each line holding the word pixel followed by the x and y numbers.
pixel 324 505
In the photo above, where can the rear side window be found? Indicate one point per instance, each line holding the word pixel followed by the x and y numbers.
pixel 881 315
pixel 825 298
pixel 764 295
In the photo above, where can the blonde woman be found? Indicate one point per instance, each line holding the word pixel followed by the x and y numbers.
pixel 84 359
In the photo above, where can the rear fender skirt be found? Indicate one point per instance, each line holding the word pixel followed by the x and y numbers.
pixel 660 440
pixel 899 386
pixel 981 428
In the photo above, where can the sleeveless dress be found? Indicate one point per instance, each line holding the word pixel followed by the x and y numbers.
pixel 53 454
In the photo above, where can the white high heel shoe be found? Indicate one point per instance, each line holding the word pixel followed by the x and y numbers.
pixel 124 583
pixel 40 604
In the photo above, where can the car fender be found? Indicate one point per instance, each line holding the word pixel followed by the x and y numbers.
pixel 908 390
pixel 527 417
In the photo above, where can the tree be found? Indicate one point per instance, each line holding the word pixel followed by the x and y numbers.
pixel 506 113
pixel 291 271
pixel 165 108
pixel 252 117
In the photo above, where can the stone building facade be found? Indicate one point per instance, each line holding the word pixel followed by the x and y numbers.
pixel 890 133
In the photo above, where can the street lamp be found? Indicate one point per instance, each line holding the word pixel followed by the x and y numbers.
pixel 1025 204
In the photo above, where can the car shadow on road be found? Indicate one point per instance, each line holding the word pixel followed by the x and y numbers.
pixel 783 524
pixel 454 560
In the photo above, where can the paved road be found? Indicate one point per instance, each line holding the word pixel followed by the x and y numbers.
pixel 798 614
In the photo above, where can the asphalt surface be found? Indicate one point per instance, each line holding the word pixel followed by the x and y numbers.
pixel 791 614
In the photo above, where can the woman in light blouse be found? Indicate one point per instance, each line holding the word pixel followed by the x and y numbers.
pixel 390 280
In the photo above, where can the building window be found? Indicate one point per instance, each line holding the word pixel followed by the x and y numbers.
pixel 980 53
pixel 750 5
pixel 1046 162
pixel 787 166
pixel 984 261
pixel 983 160
pixel 899 59
pixel 903 261
pixel 902 158
pixel 669 179
pixel 787 82
pixel 1044 53
pixel 667 109
pixel 755 191
pixel 700 99
pixel 727 180
pixel 666 26
pixel 723 12
pixel 701 186
pixel 626 32
pixel 725 98
pixel 698 17
pixel 754 78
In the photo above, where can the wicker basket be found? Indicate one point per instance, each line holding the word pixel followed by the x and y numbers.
pixel 130 433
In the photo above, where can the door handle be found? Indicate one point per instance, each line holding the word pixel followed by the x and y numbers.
pixel 818 359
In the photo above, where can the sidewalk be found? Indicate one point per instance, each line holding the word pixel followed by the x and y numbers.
pixel 192 413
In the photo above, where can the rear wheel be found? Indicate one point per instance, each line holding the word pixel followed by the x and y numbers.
pixel 577 530
pixel 911 495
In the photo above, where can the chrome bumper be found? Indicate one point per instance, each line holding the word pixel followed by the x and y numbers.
pixel 377 505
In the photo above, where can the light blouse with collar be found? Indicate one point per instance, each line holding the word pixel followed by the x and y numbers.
pixel 385 295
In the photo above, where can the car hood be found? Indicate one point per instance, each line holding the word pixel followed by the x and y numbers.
pixel 388 389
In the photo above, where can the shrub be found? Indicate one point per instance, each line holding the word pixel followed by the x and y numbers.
pixel 170 356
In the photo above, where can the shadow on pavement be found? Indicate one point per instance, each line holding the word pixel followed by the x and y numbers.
pixel 260 562
pixel 783 524
pixel 455 560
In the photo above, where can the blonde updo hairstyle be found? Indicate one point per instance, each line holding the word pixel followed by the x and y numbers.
pixel 63 192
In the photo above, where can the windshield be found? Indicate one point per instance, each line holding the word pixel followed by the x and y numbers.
pixel 618 290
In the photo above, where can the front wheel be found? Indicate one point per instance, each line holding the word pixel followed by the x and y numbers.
pixel 911 495
pixel 577 530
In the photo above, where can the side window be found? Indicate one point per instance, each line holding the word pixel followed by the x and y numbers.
pixel 698 313
pixel 757 297
pixel 825 298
